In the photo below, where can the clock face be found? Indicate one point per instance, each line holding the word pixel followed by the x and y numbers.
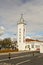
pixel 24 30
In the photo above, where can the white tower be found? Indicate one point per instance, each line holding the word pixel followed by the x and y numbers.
pixel 21 33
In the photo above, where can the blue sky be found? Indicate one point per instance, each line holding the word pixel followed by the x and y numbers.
pixel 32 10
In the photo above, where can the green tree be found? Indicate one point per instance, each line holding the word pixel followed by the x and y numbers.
pixel 1 44
pixel 6 43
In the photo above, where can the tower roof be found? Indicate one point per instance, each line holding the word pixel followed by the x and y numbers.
pixel 21 21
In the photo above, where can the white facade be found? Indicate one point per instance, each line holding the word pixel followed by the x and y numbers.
pixel 37 45
pixel 32 46
pixel 41 48
pixel 21 34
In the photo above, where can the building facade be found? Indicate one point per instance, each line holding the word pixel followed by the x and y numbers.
pixel 41 47
pixel 21 33
pixel 29 44
pixel 32 45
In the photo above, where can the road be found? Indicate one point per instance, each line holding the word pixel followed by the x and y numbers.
pixel 23 59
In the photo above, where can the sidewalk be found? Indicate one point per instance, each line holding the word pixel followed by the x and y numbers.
pixel 15 52
pixel 5 63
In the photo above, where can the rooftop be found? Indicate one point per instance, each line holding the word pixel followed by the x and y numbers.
pixel 21 21
pixel 32 40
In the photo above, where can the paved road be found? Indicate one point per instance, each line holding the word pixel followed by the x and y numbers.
pixel 12 55
pixel 38 60
pixel 24 59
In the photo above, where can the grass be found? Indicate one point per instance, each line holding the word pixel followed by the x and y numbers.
pixel 8 50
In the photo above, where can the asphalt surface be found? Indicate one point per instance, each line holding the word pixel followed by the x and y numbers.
pixel 5 56
pixel 23 59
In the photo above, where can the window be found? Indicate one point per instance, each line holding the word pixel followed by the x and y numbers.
pixel 20 29
pixel 32 45
pixel 27 46
pixel 37 46
pixel 19 37
pixel 19 40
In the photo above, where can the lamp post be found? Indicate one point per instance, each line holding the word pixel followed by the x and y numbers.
pixel 9 56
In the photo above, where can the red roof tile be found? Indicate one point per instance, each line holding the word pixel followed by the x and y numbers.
pixel 29 40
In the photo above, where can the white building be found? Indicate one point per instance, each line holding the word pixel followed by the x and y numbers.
pixel 21 33
pixel 30 44
pixel 41 47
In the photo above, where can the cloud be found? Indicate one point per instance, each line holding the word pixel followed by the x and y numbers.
pixel 38 37
pixel 2 30
pixel 10 11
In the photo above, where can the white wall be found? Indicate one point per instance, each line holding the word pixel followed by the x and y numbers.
pixel 36 45
pixel 41 48
pixel 21 36
pixel 30 46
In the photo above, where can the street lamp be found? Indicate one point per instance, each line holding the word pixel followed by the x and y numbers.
pixel 9 56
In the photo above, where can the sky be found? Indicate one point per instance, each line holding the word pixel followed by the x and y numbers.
pixel 10 13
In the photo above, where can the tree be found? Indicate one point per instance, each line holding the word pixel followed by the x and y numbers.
pixel 1 44
pixel 6 43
